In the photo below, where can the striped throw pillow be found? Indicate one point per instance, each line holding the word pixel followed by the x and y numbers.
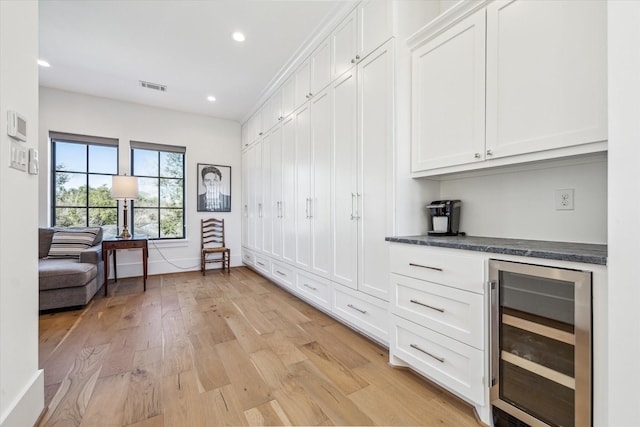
pixel 68 243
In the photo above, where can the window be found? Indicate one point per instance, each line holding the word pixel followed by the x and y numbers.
pixel 82 167
pixel 159 210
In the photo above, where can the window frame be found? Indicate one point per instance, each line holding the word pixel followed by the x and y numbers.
pixel 159 148
pixel 87 141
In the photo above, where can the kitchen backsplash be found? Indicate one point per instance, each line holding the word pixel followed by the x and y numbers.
pixel 520 201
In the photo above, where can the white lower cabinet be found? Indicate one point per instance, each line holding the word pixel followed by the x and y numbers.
pixel 263 264
pixel 248 257
pixel 450 267
pixel 314 288
pixel 456 366
pixel 364 313
pixel 438 309
pixel 449 311
pixel 283 274
pixel 368 314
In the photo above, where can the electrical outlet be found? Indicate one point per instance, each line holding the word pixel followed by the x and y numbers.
pixel 564 199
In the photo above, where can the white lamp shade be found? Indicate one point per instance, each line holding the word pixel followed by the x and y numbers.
pixel 124 187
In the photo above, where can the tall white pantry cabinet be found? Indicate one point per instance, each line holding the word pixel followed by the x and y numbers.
pixel 362 172
pixel 318 175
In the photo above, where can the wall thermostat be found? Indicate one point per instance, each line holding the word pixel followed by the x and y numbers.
pixel 16 126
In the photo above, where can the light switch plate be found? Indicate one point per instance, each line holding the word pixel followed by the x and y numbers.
pixel 564 199
pixel 18 157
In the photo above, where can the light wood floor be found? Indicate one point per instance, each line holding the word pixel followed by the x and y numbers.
pixel 225 349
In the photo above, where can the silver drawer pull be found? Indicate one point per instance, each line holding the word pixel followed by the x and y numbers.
pixel 357 309
pixel 310 287
pixel 261 264
pixel 425 266
pixel 281 273
pixel 439 359
pixel 441 310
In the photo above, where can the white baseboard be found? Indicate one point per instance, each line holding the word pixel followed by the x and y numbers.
pixel 134 269
pixel 28 406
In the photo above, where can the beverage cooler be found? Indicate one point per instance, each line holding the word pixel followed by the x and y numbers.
pixel 540 345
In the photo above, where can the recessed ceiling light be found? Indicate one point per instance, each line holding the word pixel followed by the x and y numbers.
pixel 43 63
pixel 238 36
pixel 211 98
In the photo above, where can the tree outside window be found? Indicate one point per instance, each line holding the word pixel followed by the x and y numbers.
pixel 158 211
pixel 82 168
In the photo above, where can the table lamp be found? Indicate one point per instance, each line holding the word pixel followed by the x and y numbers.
pixel 124 187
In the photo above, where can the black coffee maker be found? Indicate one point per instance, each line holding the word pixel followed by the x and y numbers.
pixel 444 217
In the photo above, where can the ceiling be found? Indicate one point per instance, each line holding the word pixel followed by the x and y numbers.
pixel 105 47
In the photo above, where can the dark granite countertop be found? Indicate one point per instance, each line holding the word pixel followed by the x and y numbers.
pixel 564 251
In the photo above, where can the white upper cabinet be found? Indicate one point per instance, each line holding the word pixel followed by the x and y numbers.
pixel 344 44
pixel 374 25
pixel 272 111
pixel 365 29
pixel 448 97
pixel 546 75
pixel 320 68
pixel 254 127
pixel 541 93
pixel 303 84
pixel 244 132
pixel 309 79
pixel 289 96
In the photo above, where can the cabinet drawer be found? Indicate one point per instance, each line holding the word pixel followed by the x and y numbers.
pixel 449 267
pixel 283 274
pixel 450 311
pixel 248 257
pixel 362 311
pixel 314 288
pixel 456 366
pixel 263 264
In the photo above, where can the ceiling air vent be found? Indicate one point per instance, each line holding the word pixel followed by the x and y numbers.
pixel 153 86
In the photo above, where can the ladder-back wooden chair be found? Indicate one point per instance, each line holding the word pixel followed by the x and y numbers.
pixel 212 246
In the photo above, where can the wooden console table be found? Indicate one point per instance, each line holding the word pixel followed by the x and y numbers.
pixel 113 244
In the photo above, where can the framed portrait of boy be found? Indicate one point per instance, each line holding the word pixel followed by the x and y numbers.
pixel 214 188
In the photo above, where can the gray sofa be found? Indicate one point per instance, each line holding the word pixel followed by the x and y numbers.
pixel 68 282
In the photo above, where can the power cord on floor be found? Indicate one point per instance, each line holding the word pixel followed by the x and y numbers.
pixel 153 243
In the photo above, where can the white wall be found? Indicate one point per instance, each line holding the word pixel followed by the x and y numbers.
pixel 624 208
pixel 208 140
pixel 519 201
pixel 21 383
